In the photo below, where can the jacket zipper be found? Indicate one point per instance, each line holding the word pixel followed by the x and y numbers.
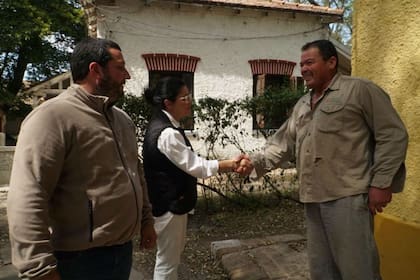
pixel 125 168
pixel 90 209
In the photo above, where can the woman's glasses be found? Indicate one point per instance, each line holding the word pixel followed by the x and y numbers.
pixel 186 98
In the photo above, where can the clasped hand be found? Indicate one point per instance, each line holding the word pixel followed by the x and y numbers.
pixel 243 165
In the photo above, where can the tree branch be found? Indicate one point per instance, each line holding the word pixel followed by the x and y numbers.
pixel 15 84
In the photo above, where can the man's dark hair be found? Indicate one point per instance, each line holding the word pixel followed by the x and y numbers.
pixel 325 47
pixel 87 51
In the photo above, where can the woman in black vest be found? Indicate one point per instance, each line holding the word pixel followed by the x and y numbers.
pixel 171 170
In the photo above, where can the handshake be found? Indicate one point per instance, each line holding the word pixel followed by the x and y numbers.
pixel 240 164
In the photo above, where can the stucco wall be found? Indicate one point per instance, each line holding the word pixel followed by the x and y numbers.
pixel 224 40
pixel 386 50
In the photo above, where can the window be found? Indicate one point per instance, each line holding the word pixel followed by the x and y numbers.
pixel 173 65
pixel 274 91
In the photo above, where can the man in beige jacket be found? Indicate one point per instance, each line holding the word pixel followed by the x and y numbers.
pixel 76 196
pixel 349 145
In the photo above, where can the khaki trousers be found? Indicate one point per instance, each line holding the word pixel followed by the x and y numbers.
pixel 341 243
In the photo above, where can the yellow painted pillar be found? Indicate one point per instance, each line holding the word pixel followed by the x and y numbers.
pixel 386 50
pixel 399 248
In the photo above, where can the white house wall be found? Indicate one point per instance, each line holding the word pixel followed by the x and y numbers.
pixel 223 39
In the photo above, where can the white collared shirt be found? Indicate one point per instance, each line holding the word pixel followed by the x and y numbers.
pixel 171 143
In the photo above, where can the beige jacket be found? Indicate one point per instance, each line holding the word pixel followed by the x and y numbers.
pixel 76 171
pixel 351 140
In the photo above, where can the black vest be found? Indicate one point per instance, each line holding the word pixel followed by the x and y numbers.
pixel 170 188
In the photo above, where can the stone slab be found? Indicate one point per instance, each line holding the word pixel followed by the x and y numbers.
pixel 272 258
pixel 240 266
pixel 279 261
pixel 2 138
pixel 6 161
pixel 220 248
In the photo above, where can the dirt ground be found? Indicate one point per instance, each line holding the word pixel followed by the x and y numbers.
pixel 229 222
pixel 209 223
pixel 4 236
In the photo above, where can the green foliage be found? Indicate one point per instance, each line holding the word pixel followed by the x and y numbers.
pixel 37 36
pixel 217 115
pixel 275 105
pixel 47 28
pixel 139 111
pixel 23 20
pixel 14 106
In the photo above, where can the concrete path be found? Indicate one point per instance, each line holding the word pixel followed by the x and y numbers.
pixel 275 257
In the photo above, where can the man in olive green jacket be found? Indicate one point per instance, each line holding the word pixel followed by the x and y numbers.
pixel 76 196
pixel 349 145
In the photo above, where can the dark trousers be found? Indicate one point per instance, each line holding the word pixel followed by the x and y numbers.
pixel 101 263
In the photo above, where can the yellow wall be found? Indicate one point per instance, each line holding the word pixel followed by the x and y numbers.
pixel 399 248
pixel 386 50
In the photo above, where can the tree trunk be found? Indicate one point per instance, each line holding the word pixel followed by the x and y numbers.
pixel 15 83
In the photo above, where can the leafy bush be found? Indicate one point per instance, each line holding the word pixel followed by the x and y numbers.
pixel 14 106
pixel 139 111
pixel 275 105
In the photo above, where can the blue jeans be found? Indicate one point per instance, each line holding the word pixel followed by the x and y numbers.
pixel 101 263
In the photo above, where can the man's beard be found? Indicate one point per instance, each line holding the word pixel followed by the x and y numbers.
pixel 109 88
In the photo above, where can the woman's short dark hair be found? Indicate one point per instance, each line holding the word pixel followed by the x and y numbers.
pixel 87 51
pixel 166 88
pixel 325 47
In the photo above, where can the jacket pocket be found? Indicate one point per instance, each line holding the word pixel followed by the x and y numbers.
pixel 330 117
pixel 90 210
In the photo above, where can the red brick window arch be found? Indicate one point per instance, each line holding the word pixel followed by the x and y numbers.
pixel 170 62
pixel 271 77
pixel 182 66
pixel 272 67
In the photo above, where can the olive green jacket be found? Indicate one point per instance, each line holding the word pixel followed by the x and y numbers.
pixel 352 139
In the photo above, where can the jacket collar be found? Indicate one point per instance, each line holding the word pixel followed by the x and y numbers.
pixel 99 103
pixel 335 83
pixel 333 86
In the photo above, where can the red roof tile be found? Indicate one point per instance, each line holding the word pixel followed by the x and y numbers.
pixel 333 15
pixel 267 5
